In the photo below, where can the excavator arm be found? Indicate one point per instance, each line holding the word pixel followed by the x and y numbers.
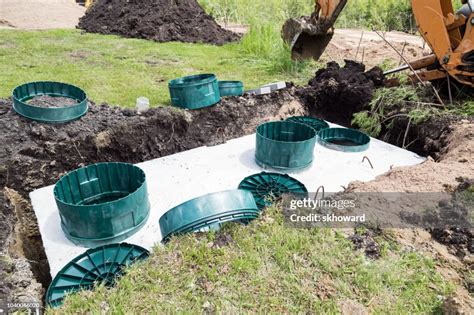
pixel 449 34
pixel 309 36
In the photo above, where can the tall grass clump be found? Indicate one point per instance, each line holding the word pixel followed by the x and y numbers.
pixel 263 11
pixel 263 42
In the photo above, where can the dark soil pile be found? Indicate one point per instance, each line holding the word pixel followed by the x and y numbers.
pixel 336 93
pixel 158 20
pixel 47 101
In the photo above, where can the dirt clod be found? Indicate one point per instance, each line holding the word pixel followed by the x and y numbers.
pixel 365 241
pixel 158 20
pixel 336 93
pixel 223 239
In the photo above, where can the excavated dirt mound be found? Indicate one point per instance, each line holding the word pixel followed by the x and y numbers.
pixel 158 20
pixel 336 93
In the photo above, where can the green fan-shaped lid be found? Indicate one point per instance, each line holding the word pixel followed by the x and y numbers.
pixel 102 264
pixel 267 186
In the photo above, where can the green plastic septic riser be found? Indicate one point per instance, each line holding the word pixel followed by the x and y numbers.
pixel 316 123
pixel 193 92
pixel 267 187
pixel 100 265
pixel 344 139
pixel 231 88
pixel 208 212
pixel 102 203
pixel 25 92
pixel 285 145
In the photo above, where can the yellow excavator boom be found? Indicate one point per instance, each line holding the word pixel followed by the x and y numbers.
pixel 449 34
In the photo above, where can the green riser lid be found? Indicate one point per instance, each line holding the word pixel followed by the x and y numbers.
pixel 102 203
pixel 268 187
pixel 23 93
pixel 208 212
pixel 285 145
pixel 231 88
pixel 344 139
pixel 194 92
pixel 95 266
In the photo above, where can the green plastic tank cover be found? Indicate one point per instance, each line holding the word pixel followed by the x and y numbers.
pixel 231 88
pixel 208 212
pixel 344 139
pixel 23 93
pixel 268 187
pixel 195 91
pixel 285 145
pixel 100 265
pixel 102 203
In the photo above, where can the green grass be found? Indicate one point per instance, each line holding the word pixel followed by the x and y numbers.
pixel 260 11
pixel 383 15
pixel 269 267
pixel 118 70
pixel 416 103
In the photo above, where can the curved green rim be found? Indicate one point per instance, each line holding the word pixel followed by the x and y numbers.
pixel 27 91
pixel 231 88
pixel 285 145
pixel 315 123
pixel 192 80
pixel 102 264
pixel 102 203
pixel 231 84
pixel 267 187
pixel 208 211
pixel 264 125
pixel 344 139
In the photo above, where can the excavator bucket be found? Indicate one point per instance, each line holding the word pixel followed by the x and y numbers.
pixel 308 36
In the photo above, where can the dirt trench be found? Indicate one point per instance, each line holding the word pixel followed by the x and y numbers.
pixel 35 155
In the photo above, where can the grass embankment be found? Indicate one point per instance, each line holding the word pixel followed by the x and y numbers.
pixel 118 70
pixel 269 267
pixel 412 102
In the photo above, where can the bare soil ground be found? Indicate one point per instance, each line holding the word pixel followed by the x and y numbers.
pixel 39 14
pixel 369 48
pixel 456 162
